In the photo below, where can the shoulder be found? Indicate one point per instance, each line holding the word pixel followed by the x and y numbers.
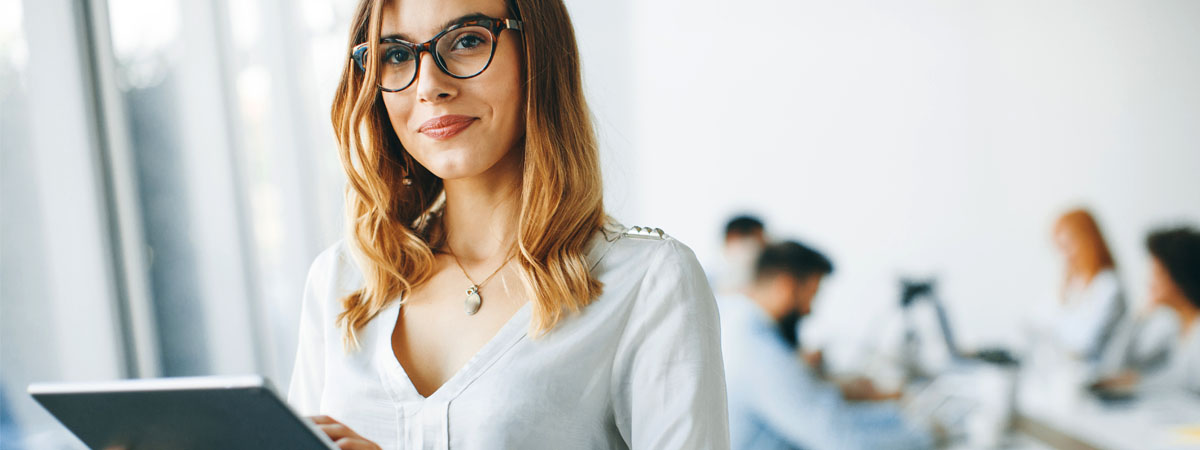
pixel 1107 278
pixel 654 271
pixel 648 250
pixel 1106 283
pixel 334 260
pixel 333 272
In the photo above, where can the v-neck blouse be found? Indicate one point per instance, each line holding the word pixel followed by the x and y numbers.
pixel 638 368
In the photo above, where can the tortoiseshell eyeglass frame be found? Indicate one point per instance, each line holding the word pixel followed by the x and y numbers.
pixel 359 52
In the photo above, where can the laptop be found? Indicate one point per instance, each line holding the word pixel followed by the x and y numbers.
pixel 915 290
pixel 225 412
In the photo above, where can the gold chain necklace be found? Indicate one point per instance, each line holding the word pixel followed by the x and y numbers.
pixel 474 301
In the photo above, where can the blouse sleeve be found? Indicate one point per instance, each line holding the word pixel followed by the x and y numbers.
pixel 668 376
pixel 308 373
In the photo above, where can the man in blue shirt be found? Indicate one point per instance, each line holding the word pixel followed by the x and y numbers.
pixel 776 401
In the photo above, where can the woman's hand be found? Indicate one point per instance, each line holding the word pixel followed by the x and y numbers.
pixel 343 436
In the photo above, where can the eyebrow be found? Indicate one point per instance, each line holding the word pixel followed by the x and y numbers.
pixel 448 24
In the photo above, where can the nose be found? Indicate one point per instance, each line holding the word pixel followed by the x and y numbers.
pixel 433 85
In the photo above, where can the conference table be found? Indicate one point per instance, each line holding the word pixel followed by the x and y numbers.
pixel 1150 420
pixel 1047 409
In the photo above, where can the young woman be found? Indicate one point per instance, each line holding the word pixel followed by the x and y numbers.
pixel 482 298
pixel 1175 286
pixel 1092 303
pixel 1171 364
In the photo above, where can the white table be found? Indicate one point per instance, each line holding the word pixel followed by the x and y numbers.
pixel 1149 422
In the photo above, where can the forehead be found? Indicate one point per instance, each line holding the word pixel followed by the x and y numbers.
pixel 420 20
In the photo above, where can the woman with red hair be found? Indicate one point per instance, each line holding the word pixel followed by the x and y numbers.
pixel 1092 303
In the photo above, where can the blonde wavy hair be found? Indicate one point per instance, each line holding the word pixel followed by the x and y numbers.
pixel 392 222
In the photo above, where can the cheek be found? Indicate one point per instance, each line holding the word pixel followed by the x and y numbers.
pixel 505 90
pixel 1161 287
pixel 399 108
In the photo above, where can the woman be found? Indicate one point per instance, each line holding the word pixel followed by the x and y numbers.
pixel 1092 304
pixel 483 299
pixel 1173 363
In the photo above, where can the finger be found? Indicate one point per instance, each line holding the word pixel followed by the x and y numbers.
pixel 356 444
pixel 338 431
pixel 323 420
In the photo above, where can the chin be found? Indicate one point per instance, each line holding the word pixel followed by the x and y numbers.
pixel 463 161
pixel 450 167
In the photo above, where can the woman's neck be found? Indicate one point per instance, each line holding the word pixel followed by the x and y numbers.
pixel 1187 318
pixel 482 211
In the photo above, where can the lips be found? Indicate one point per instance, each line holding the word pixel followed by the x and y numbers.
pixel 445 127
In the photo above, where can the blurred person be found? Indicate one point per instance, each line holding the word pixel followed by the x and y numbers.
pixel 1091 303
pixel 745 237
pixel 776 401
pixel 482 298
pixel 1174 288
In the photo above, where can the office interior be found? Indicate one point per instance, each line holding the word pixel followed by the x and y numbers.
pixel 169 173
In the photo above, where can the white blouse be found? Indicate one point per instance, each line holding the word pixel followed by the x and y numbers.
pixel 1091 315
pixel 639 368
pixel 1179 368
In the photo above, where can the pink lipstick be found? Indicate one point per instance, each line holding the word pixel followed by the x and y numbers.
pixel 445 127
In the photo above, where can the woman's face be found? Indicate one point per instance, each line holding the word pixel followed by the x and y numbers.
pixel 1077 252
pixel 1162 289
pixel 456 128
pixel 1066 243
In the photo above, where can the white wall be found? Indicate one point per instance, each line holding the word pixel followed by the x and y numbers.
pixel 924 137
pixel 604 34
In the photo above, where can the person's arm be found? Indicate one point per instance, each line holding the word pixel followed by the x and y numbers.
pixel 668 377
pixel 308 372
pixel 810 413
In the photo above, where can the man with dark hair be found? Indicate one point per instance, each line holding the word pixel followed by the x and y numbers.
pixel 805 264
pixel 744 226
pixel 745 237
pixel 776 401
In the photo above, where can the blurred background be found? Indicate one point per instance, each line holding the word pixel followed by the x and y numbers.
pixel 169 171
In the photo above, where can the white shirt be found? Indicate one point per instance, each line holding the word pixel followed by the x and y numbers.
pixel 1178 367
pixel 1086 322
pixel 639 368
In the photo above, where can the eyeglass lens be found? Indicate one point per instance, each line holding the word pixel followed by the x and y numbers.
pixel 463 53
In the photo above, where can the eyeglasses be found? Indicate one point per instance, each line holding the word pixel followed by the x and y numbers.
pixel 462 51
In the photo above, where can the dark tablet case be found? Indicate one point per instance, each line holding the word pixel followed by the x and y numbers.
pixel 182 419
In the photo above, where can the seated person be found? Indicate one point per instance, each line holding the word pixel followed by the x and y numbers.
pixel 1174 287
pixel 745 237
pixel 1092 305
pixel 776 401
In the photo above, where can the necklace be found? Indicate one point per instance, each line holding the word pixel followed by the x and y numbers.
pixel 474 300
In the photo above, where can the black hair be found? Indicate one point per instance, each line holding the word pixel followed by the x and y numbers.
pixel 1178 250
pixel 743 225
pixel 791 258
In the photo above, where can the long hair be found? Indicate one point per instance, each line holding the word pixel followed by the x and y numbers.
pixel 1093 255
pixel 391 199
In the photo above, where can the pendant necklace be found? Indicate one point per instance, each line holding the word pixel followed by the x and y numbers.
pixel 474 301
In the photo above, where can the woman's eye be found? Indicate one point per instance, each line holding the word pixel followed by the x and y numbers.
pixel 468 42
pixel 397 56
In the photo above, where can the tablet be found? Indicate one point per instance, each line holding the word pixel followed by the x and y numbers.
pixel 234 413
